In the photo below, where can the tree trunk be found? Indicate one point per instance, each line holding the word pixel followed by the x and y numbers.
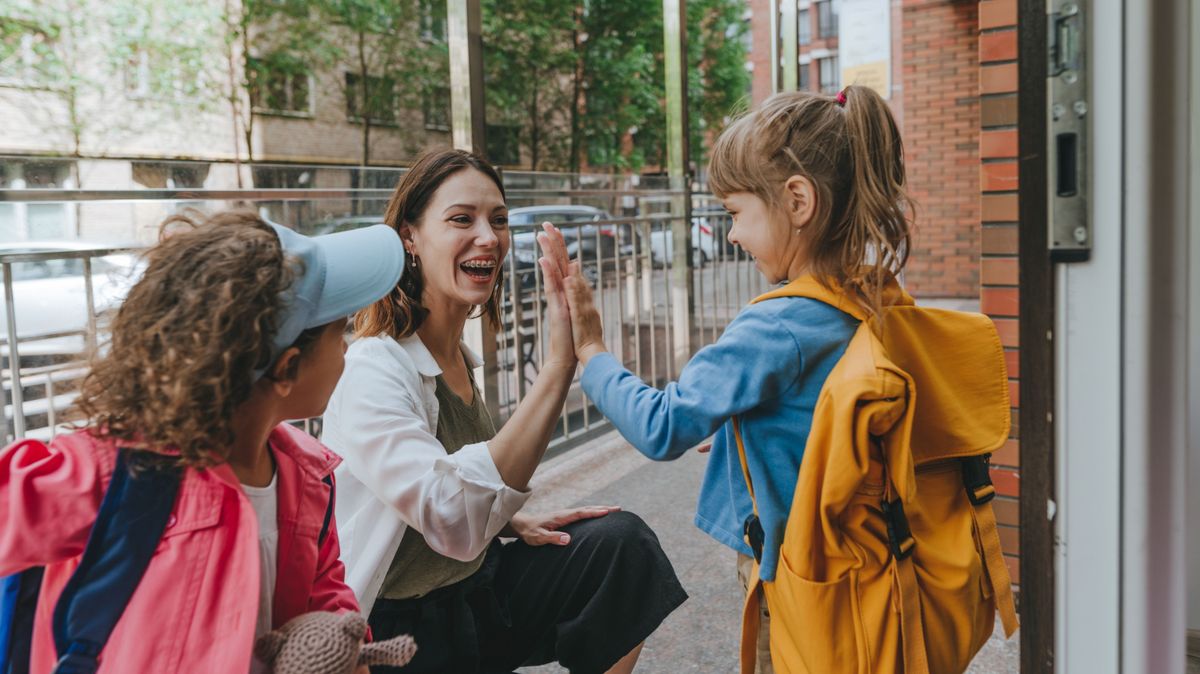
pixel 234 97
pixel 535 126
pixel 365 106
pixel 576 92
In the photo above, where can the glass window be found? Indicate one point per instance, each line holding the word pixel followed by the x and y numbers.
pixel 805 76
pixel 278 85
pixel 436 108
pixel 380 104
pixel 827 20
pixel 829 75
pixel 805 21
pixel 433 20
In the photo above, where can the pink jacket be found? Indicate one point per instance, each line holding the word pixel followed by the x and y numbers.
pixel 195 608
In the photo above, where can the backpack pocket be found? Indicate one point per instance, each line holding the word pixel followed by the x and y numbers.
pixel 816 627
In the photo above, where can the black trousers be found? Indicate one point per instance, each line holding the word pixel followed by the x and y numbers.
pixel 583 605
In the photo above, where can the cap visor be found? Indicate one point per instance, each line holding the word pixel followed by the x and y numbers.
pixel 361 266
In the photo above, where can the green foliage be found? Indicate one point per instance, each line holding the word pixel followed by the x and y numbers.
pixel 600 62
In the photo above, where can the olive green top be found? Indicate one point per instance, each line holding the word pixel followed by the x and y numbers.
pixel 416 569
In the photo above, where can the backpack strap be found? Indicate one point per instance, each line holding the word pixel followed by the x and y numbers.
pixel 18 604
pixel 128 527
pixel 906 591
pixel 328 479
pixel 980 491
pixel 753 533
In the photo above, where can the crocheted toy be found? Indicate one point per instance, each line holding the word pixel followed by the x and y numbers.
pixel 329 643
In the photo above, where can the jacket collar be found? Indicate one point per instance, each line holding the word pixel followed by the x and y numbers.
pixel 835 296
pixel 423 359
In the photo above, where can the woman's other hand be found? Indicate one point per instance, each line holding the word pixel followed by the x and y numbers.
pixel 556 266
pixel 545 529
pixel 586 326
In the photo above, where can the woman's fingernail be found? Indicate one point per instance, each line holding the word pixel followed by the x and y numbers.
pixel 564 539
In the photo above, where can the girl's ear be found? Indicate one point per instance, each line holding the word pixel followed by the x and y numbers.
pixel 799 201
pixel 283 372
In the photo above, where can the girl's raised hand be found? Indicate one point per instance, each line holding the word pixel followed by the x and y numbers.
pixel 555 267
pixel 586 326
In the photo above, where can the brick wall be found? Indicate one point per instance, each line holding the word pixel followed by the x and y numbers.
pixel 760 50
pixel 998 270
pixel 939 76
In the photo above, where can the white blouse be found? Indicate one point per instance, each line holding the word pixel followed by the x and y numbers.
pixel 381 419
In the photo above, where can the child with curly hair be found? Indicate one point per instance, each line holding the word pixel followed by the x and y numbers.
pixel 236 326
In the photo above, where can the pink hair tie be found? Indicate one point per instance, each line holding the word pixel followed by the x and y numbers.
pixel 841 98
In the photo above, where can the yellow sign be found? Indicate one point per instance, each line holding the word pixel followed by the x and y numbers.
pixel 873 75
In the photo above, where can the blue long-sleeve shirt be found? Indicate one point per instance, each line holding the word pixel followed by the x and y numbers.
pixel 768 369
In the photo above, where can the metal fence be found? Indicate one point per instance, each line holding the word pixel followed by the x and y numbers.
pixel 624 240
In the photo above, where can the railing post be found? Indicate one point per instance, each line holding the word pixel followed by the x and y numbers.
pixel 773 13
pixel 464 30
pixel 675 50
pixel 791 48
pixel 14 358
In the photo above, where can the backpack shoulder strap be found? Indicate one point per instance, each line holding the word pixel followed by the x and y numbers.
pixel 131 520
pixel 328 479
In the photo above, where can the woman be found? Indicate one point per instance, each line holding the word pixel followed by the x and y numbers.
pixel 428 483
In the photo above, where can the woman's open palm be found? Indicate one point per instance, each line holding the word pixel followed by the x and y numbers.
pixel 556 266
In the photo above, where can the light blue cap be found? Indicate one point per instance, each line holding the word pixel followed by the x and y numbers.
pixel 336 275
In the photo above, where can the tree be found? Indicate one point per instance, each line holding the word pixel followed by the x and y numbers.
pixel 542 51
pixel 388 66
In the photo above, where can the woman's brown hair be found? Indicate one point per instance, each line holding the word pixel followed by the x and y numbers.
pixel 186 341
pixel 400 313
pixel 850 148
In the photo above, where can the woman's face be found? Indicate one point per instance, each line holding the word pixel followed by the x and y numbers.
pixel 461 240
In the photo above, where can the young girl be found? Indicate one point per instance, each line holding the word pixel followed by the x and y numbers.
pixel 235 326
pixel 428 481
pixel 815 185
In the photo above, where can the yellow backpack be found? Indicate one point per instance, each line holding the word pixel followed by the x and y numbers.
pixel 890 560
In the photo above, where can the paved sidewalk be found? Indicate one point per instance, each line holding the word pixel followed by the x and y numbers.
pixel 702 636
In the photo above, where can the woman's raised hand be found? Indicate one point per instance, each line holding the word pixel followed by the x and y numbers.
pixel 586 326
pixel 556 268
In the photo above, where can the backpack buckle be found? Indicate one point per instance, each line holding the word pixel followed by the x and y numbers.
pixel 977 478
pixel 752 532
pixel 900 538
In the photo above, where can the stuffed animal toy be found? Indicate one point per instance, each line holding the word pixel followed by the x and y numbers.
pixel 329 643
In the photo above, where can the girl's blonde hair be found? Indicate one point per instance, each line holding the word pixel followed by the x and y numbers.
pixel 850 148
pixel 400 313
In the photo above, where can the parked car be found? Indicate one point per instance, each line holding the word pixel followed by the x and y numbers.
pixel 709 238
pixel 582 228
pixel 49 298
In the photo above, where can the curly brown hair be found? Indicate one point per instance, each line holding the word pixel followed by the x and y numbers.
pixel 186 341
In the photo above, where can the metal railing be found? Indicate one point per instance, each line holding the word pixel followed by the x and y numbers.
pixel 627 259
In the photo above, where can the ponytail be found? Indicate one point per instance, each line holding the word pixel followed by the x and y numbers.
pixel 878 210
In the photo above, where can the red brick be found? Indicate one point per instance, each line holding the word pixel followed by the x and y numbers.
pixel 999 176
pixel 1000 301
pixel 1010 539
pixel 1007 481
pixel 1010 332
pixel 1014 393
pixel 1008 455
pixel 999 271
pixel 999 207
pixel 998 79
pixel 999 240
pixel 1008 511
pixel 997 14
pixel 1012 361
pixel 1000 46
pixel 998 144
